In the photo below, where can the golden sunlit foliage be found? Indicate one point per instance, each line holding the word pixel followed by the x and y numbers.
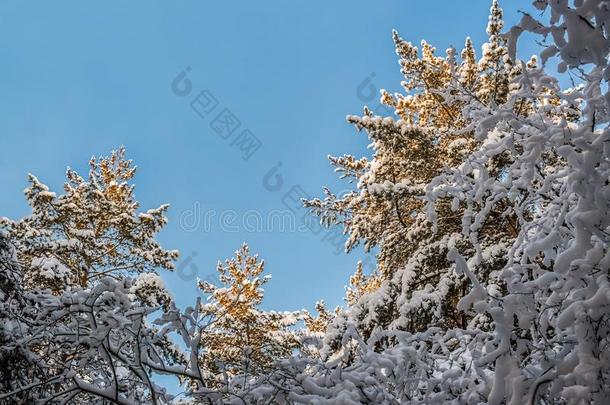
pixel 414 285
pixel 92 230
pixel 242 338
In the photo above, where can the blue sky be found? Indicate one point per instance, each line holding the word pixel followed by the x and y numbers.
pixel 81 78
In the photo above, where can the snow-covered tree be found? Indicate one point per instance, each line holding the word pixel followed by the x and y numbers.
pixel 14 363
pixel 93 345
pixel 508 229
pixel 242 339
pixel 90 345
pixel 91 231
pixel 414 285
pixel 551 323
pixel 74 246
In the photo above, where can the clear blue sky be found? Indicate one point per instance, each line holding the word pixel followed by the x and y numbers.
pixel 81 78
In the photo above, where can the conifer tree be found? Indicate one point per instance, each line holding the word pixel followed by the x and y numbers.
pixel 317 324
pixel 414 285
pixel 242 340
pixel 488 200
pixel 91 231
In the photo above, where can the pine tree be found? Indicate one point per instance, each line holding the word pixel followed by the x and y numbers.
pixel 360 284
pixel 414 285
pixel 242 340
pixel 91 231
pixel 493 86
pixel 318 324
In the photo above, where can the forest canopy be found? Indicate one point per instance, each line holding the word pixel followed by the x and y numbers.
pixel 486 199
